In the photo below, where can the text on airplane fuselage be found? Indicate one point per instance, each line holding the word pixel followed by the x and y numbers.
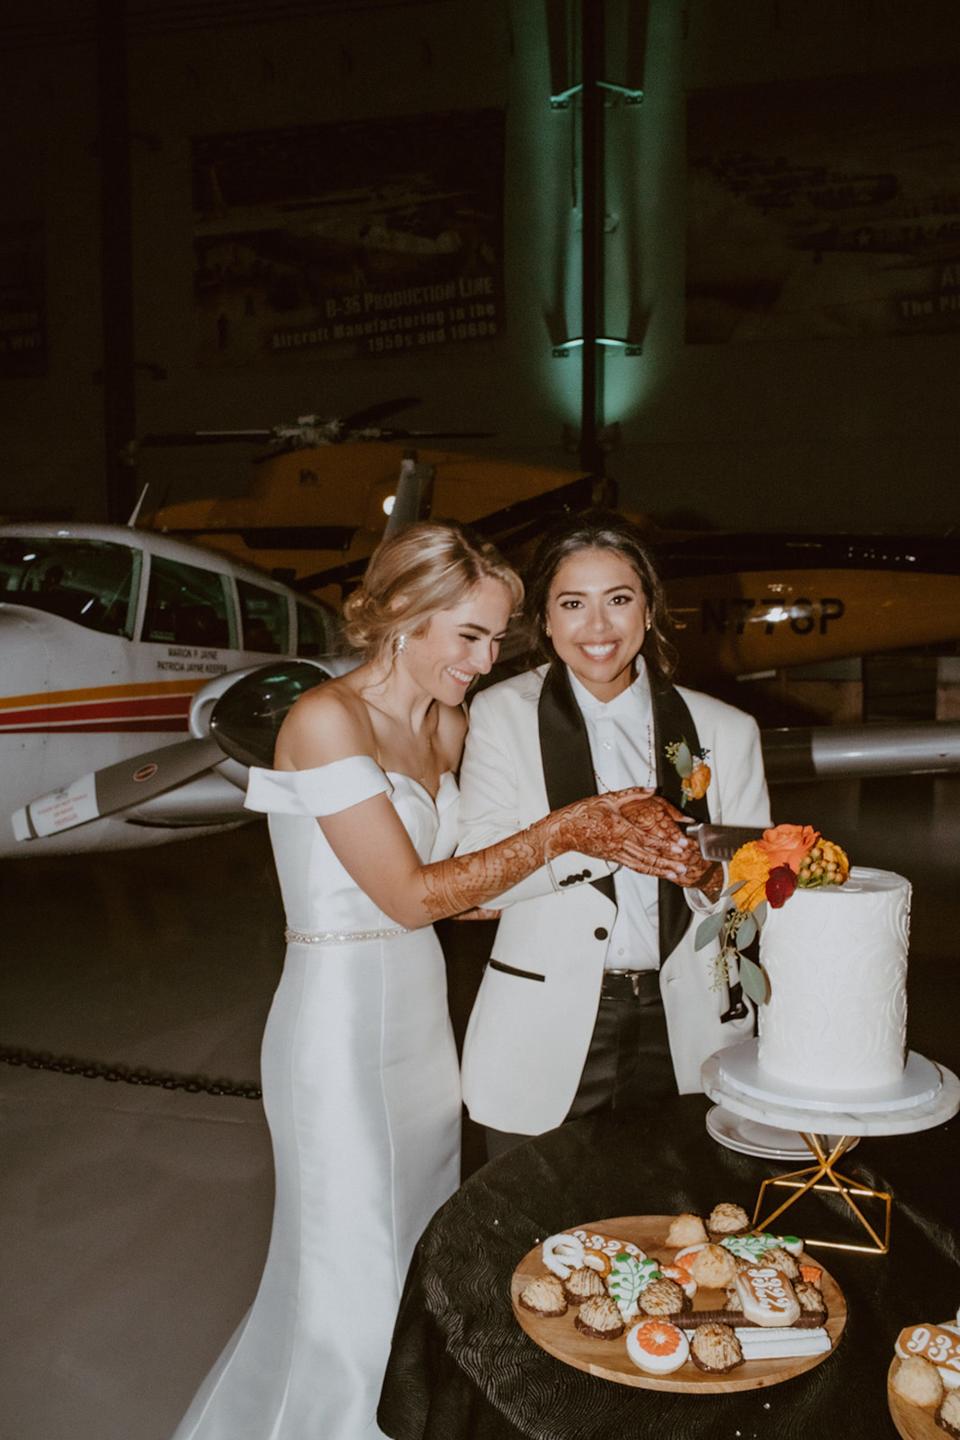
pixel 732 615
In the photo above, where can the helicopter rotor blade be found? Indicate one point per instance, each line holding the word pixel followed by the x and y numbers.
pixel 207 437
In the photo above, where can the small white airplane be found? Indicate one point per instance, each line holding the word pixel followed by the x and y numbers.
pixel 107 634
pixel 141 676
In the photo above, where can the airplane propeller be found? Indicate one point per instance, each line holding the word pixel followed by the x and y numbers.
pixel 243 726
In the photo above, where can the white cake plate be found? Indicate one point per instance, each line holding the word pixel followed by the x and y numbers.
pixel 762 1142
pixel 735 1081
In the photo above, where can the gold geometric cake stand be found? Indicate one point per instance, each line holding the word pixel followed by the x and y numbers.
pixel 801 1182
pixel 733 1079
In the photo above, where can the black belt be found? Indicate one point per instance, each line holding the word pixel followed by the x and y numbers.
pixel 640 985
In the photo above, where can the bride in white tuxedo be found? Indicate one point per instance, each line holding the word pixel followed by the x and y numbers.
pixel 359 1069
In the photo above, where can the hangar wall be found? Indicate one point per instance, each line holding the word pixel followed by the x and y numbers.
pixel 813 434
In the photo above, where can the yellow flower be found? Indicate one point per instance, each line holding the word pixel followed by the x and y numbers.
pixel 695 785
pixel 826 864
pixel 750 865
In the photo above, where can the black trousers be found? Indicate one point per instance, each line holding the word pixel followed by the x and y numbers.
pixel 628 1063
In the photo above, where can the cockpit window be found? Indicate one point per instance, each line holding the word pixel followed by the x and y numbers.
pixel 186 605
pixel 264 616
pixel 92 582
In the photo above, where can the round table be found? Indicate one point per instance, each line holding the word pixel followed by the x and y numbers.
pixel 462 1369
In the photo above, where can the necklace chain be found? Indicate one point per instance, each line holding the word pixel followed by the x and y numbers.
pixel 651 767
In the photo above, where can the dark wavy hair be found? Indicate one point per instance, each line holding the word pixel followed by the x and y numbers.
pixel 598 529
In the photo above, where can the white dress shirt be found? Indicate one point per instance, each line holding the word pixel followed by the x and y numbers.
pixel 620 732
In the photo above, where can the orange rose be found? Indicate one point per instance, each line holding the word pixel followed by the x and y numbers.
pixel 751 865
pixel 695 785
pixel 788 844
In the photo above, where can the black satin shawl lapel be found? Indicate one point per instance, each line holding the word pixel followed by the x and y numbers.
pixel 672 721
pixel 565 749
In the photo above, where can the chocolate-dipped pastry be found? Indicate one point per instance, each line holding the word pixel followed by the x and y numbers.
pixel 715 1348
pixel 599 1316
pixel 544 1296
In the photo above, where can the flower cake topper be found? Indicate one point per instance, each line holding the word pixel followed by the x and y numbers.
pixel 767 872
pixel 692 767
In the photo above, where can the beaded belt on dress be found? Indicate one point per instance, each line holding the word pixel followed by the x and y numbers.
pixel 340 937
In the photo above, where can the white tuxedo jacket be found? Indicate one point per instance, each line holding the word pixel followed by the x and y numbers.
pixel 529 1032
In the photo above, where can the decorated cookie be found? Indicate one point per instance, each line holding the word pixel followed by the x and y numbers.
pixel 657 1347
pixel 627 1279
pixel 596 1247
pixel 940 1344
pixel 755 1247
pixel 767 1296
pixel 562 1253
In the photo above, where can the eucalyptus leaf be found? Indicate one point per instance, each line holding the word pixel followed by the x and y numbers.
pixel 684 760
pixel 746 930
pixel 732 889
pixel 708 930
pixel 760 913
pixel 754 981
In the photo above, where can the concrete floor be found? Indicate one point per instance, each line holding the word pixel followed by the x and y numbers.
pixel 133 1220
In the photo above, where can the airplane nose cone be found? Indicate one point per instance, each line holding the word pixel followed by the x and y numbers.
pixel 25 657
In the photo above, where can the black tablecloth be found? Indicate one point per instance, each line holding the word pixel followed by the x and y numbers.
pixel 462 1369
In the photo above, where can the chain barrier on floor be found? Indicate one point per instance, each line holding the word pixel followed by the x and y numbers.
pixel 126 1074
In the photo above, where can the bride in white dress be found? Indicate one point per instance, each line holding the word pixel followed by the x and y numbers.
pixel 359 1070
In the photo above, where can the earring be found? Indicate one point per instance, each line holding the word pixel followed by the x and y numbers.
pixel 400 644
pixel 547 631
pixel 647 626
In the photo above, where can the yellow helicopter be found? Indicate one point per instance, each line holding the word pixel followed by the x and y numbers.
pixel 744 604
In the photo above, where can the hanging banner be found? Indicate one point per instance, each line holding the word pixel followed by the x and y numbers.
pixel 374 237
pixel 824 207
pixel 23 340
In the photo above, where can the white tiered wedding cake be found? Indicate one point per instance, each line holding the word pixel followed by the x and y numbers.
pixel 836 959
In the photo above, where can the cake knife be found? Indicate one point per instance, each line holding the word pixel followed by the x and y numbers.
pixel 719 842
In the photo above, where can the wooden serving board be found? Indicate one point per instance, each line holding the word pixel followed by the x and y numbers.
pixel 913 1422
pixel 609 1359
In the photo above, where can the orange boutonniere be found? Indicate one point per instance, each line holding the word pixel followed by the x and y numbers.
pixel 692 767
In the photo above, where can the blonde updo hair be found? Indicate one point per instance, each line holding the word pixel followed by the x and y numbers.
pixel 422 570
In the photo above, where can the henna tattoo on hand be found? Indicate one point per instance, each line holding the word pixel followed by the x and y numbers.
pixel 633 828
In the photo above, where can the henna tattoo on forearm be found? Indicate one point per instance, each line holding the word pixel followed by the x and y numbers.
pixel 451 886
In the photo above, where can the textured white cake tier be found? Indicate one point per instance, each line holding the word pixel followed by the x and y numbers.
pixel 836 1019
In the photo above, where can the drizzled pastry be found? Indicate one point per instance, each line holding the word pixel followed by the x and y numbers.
pixel 583 1283
pixel 948 1416
pixel 715 1348
pixel 598 1316
pixel 810 1298
pixel 782 1260
pixel 544 1296
pixel 661 1297
pixel 727 1219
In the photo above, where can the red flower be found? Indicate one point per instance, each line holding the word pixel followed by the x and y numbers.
pixel 781 883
